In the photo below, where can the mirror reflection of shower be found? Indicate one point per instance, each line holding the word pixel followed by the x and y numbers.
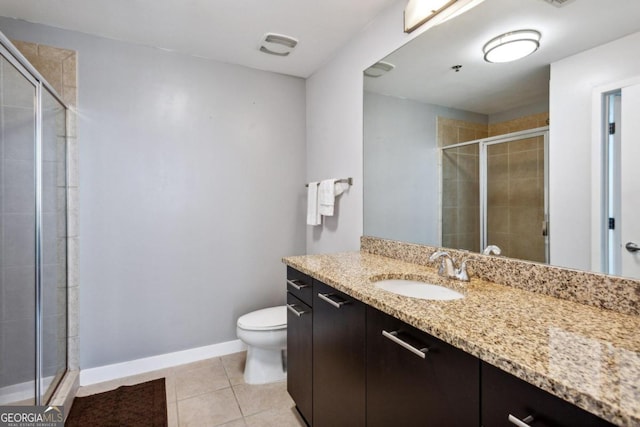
pixel 494 187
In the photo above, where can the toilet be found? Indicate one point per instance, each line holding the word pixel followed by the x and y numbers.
pixel 265 334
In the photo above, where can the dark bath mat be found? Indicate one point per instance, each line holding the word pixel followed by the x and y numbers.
pixel 142 404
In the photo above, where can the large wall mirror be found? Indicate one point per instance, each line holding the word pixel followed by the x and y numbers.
pixel 463 153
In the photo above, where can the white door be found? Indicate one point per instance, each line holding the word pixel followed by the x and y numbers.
pixel 630 181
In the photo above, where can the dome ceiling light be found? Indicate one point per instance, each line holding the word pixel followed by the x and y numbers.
pixel 511 46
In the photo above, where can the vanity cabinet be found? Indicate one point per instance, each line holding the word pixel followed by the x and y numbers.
pixel 338 358
pixel 508 401
pixel 416 379
pixel 352 365
pixel 300 355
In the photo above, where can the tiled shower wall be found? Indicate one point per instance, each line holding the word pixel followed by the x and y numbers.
pixel 515 187
pixel 59 67
pixel 522 123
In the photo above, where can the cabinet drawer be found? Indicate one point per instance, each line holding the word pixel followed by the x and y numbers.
pixel 504 395
pixel 300 285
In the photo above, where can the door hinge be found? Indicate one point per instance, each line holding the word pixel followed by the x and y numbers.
pixel 612 128
pixel 612 223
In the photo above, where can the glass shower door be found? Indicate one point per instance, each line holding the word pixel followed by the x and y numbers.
pixel 515 205
pixel 33 236
pixel 18 237
pixel 461 197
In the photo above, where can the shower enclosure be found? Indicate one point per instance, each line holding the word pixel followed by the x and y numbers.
pixel 33 236
pixel 494 193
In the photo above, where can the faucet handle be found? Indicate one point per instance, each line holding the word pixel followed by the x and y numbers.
pixel 461 272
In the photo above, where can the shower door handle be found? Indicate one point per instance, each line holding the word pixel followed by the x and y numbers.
pixel 632 247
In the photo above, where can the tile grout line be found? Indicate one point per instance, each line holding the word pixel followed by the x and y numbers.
pixel 235 396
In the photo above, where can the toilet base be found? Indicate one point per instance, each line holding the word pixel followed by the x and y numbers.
pixel 265 365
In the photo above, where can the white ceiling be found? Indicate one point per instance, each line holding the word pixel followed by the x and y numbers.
pixel 423 66
pixel 224 30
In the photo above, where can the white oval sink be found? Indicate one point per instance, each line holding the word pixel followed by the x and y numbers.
pixel 417 289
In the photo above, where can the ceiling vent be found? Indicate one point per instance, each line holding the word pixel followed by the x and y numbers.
pixel 277 44
pixel 559 3
pixel 378 69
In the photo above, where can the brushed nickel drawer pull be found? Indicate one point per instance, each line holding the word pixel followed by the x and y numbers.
pixel 519 422
pixel 336 304
pixel 292 308
pixel 393 336
pixel 294 283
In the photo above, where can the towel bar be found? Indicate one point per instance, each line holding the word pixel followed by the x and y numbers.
pixel 347 180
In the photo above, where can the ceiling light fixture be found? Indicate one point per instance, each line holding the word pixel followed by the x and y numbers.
pixel 418 12
pixel 511 46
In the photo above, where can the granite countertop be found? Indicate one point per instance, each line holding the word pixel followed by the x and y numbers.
pixel 586 355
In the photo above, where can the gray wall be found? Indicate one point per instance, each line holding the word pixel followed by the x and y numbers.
pixel 191 190
pixel 401 170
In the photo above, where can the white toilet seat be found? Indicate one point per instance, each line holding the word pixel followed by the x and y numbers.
pixel 267 319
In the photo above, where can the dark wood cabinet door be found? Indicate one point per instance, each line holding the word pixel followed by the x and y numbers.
pixel 338 359
pixel 300 355
pixel 504 395
pixel 406 389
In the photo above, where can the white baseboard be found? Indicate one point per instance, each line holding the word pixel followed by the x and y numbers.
pixel 162 361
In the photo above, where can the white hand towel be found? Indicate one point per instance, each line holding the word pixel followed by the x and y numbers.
pixel 313 213
pixel 340 188
pixel 327 192
pixel 326 197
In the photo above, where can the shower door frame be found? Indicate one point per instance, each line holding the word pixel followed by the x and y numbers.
pixel 483 159
pixel 13 56
pixel 483 145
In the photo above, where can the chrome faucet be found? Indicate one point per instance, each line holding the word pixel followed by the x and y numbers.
pixel 447 266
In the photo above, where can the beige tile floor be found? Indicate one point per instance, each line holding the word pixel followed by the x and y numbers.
pixel 212 392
